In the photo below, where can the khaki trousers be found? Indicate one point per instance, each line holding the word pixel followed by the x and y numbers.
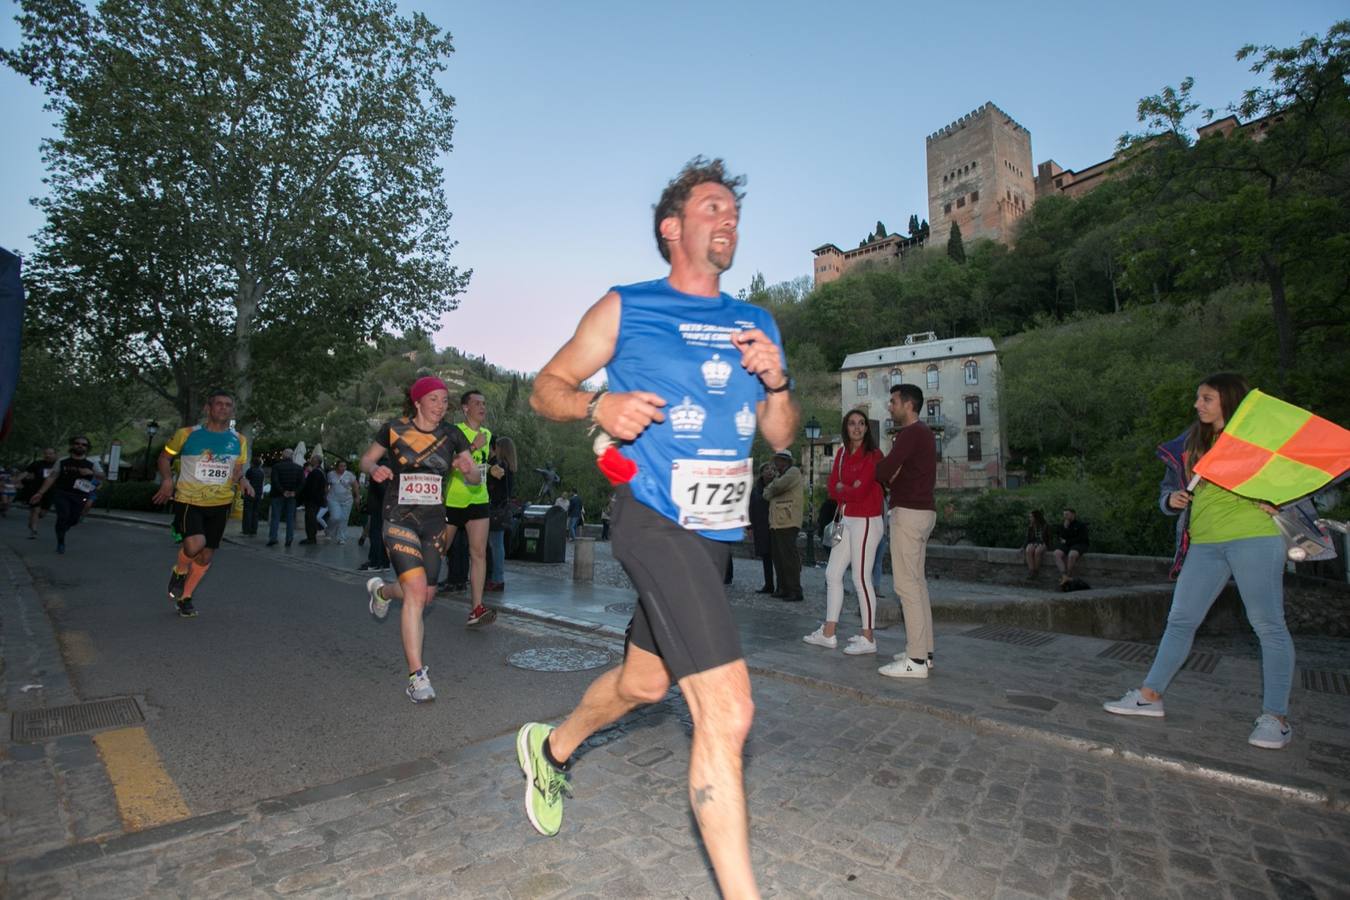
pixel 910 529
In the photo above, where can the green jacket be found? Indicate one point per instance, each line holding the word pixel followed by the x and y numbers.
pixel 784 494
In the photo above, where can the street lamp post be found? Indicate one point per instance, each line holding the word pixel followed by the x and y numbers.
pixel 812 435
pixel 150 428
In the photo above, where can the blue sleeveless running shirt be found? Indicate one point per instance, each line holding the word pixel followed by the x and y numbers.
pixel 694 468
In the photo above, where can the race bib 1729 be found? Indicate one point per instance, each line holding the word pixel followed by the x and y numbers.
pixel 712 495
pixel 419 489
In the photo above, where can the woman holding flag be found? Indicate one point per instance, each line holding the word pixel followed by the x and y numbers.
pixel 1219 534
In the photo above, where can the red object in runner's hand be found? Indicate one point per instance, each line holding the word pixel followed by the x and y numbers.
pixel 618 468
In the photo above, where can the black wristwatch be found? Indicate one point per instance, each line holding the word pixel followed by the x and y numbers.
pixel 788 384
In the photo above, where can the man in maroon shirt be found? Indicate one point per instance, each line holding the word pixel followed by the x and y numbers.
pixel 909 472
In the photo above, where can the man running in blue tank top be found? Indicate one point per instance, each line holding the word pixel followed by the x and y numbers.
pixel 692 372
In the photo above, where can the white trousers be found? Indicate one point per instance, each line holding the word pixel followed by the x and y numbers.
pixel 857 550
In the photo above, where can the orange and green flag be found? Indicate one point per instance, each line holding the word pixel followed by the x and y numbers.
pixel 1273 451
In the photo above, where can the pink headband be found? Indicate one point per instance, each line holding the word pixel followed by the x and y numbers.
pixel 425 385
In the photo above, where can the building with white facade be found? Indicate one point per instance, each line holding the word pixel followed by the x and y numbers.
pixel 959 380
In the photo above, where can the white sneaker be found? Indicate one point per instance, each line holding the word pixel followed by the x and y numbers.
pixel 818 638
pixel 1134 704
pixel 1270 734
pixel 860 646
pixel 419 688
pixel 379 607
pixel 904 668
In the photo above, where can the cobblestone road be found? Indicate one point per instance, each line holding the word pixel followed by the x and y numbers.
pixel 848 799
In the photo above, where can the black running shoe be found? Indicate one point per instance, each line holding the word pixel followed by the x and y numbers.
pixel 185 608
pixel 176 584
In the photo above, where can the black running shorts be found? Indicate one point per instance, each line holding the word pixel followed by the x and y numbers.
pixel 415 546
pixel 459 516
pixel 683 615
pixel 208 521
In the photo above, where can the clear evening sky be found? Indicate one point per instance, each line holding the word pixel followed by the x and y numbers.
pixel 572 117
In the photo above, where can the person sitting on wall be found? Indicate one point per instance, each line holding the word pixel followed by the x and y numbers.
pixel 1073 543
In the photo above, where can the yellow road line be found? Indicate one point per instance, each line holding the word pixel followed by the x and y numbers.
pixel 146 795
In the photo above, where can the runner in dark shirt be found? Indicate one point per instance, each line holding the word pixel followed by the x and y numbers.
pixel 70 484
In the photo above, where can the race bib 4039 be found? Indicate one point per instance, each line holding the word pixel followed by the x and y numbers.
pixel 712 496
pixel 419 489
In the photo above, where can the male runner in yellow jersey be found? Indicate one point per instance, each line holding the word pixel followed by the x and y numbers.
pixel 211 462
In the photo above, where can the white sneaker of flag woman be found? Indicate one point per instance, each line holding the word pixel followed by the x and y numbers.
pixel 1277 453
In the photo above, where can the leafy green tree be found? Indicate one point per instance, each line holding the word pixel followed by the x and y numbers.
pixel 881 230
pixel 955 248
pixel 1269 202
pixel 914 225
pixel 242 192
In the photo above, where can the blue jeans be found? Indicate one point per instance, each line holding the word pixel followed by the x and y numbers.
pixel 278 504
pixel 496 556
pixel 1257 565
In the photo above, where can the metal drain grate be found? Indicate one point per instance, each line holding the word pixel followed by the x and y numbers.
pixel 1325 682
pixel 1204 663
pixel 31 725
pixel 621 609
pixel 1007 634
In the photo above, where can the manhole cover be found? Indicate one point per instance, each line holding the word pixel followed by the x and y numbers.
pixel 621 609
pixel 42 724
pixel 558 659
pixel 1007 634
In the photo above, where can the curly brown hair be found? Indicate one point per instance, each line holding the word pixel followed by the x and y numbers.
pixel 695 172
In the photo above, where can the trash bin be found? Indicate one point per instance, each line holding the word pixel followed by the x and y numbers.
pixel 543 534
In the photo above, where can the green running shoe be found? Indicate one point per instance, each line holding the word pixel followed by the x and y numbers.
pixel 545 786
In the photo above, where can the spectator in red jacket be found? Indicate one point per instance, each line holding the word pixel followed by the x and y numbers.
pixel 854 487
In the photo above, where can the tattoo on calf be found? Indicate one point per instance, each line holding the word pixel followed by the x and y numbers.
pixel 702 796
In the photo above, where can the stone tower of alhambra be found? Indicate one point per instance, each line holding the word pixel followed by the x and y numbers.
pixel 980 175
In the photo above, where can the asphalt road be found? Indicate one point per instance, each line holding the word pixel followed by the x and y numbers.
pixel 283 681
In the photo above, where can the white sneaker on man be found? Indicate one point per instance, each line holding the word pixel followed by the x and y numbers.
pixel 905 668
pixel 860 646
pixel 820 639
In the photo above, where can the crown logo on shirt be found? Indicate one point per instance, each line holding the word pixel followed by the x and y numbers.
pixel 716 372
pixel 688 416
pixel 745 421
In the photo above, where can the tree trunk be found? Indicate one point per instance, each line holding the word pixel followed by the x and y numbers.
pixel 182 377
pixel 1279 307
pixel 246 298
